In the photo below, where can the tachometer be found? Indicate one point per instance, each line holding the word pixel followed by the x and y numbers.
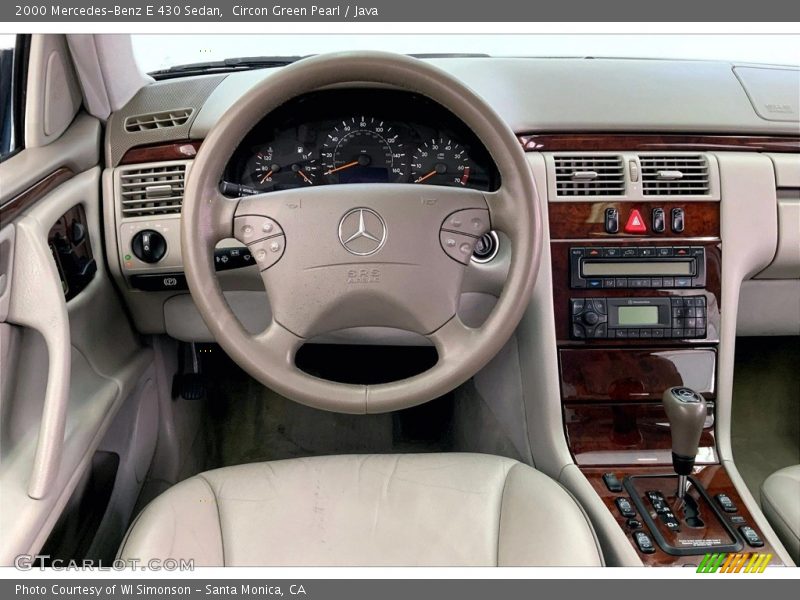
pixel 440 161
pixel 362 150
pixel 277 167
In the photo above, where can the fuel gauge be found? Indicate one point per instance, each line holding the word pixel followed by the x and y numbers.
pixel 276 167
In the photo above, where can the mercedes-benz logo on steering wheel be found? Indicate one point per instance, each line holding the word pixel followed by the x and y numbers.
pixel 362 231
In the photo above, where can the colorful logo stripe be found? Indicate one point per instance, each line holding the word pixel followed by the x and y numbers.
pixel 746 562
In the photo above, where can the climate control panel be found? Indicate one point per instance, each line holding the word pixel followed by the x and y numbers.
pixel 637 267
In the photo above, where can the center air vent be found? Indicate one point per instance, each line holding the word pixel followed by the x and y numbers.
pixel 152 191
pixel 679 175
pixel 160 120
pixel 599 175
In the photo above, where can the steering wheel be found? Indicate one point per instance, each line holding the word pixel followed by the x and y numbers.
pixel 367 254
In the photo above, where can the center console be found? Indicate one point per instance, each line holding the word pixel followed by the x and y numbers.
pixel 637 295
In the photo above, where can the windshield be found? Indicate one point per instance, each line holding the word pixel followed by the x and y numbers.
pixel 158 52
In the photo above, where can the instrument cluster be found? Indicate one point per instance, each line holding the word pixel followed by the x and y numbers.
pixel 359 136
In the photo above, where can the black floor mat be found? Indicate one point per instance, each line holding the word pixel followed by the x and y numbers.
pixel 249 423
pixel 765 431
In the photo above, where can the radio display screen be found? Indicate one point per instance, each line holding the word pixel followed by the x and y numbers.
pixel 623 269
pixel 637 315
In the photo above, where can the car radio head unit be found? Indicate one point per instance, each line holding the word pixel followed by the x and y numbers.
pixel 681 317
pixel 637 267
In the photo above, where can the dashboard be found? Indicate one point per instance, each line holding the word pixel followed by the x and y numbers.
pixel 359 136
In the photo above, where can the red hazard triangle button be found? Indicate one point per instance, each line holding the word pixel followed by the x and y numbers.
pixel 635 223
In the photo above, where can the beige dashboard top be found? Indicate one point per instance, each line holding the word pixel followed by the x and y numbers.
pixel 561 94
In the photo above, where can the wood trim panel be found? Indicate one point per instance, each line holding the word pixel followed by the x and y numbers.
pixel 586 220
pixel 159 152
pixel 714 479
pixel 11 209
pixel 626 434
pixel 551 142
pixel 636 375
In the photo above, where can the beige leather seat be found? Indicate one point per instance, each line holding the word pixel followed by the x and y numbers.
pixel 416 509
pixel 780 500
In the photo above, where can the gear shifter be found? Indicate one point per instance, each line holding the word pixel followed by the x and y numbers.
pixel 686 411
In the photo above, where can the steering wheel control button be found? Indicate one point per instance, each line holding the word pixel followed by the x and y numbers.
pixel 472 221
pixel 457 246
pixel 635 223
pixel 362 231
pixel 253 228
pixel 267 252
pixel 149 246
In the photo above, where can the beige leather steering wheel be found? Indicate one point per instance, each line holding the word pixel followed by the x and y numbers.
pixel 352 255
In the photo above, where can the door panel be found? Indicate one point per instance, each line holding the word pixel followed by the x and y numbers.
pixel 67 365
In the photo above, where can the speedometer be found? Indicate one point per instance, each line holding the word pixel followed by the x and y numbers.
pixel 362 150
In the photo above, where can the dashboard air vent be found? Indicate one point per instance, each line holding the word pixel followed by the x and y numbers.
pixel 152 191
pixel 675 175
pixel 160 120
pixel 599 175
